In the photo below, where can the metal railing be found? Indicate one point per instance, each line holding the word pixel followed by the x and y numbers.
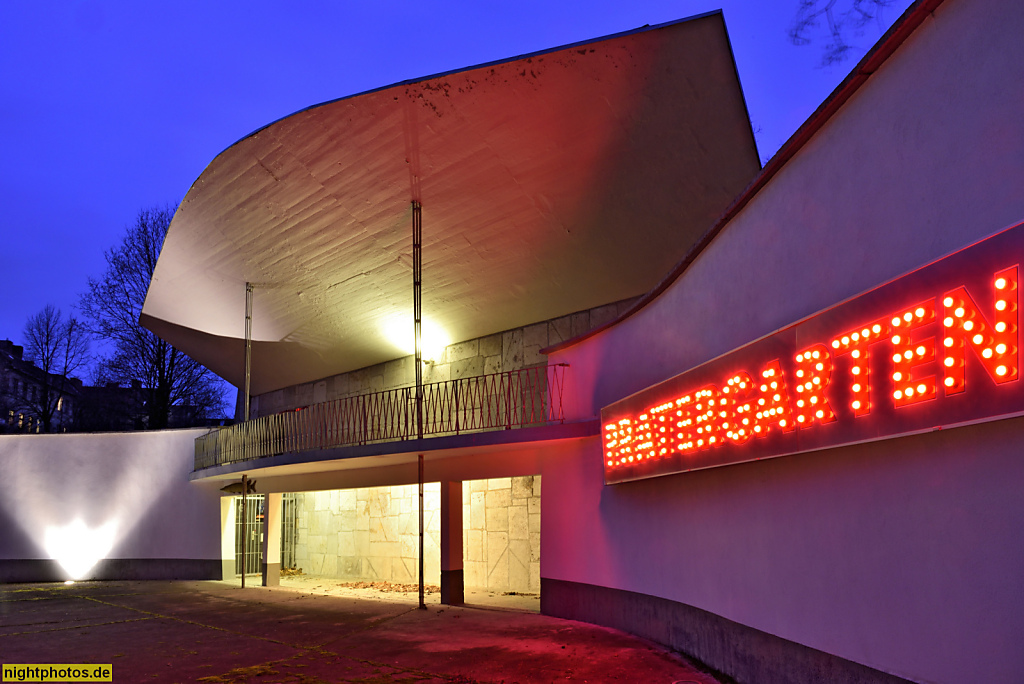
pixel 514 399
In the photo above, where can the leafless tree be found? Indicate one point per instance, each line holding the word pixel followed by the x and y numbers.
pixel 841 20
pixel 173 383
pixel 59 348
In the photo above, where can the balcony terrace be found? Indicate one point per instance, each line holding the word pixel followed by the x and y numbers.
pixel 529 397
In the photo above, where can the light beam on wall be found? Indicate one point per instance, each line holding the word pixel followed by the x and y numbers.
pixel 79 498
pixel 78 547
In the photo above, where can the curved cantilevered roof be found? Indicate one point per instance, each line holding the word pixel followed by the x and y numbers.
pixel 549 183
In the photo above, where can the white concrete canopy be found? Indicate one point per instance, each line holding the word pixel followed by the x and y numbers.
pixel 550 183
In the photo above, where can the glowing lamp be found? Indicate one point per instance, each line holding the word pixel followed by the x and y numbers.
pixel 398 331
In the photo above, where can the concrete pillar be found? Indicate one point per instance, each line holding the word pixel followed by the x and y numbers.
pixel 271 565
pixel 452 581
pixel 227 537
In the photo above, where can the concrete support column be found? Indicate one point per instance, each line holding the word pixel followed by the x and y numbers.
pixel 452 581
pixel 227 537
pixel 271 565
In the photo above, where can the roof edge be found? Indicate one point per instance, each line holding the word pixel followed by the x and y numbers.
pixel 890 41
pixel 420 79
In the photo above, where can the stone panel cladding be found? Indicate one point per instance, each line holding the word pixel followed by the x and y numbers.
pixel 501 534
pixel 373 534
pixel 368 533
pixel 500 352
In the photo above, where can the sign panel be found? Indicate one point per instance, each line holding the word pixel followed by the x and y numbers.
pixel 935 348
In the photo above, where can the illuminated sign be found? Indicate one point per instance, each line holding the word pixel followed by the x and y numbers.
pixel 935 348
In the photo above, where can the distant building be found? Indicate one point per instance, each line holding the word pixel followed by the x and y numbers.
pixel 113 408
pixel 110 407
pixel 80 408
pixel 23 387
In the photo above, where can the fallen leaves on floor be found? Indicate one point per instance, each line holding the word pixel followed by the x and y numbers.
pixel 391 587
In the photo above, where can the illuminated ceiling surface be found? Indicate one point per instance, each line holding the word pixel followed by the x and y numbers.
pixel 550 183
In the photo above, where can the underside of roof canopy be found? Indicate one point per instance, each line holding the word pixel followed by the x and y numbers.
pixel 549 183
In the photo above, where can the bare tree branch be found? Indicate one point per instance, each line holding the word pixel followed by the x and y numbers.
pixel 59 347
pixel 114 303
pixel 840 20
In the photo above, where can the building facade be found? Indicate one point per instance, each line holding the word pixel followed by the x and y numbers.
pixel 26 391
pixel 868 534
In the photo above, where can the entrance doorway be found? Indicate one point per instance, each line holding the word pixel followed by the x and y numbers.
pixel 501 535
pixel 253 534
pixel 250 535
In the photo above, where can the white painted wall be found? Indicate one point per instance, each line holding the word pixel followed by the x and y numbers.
pixel 926 158
pixel 904 555
pixel 135 482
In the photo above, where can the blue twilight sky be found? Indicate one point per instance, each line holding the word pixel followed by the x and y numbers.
pixel 109 106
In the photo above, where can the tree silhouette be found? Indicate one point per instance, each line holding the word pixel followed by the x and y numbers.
pixel 59 348
pixel 171 380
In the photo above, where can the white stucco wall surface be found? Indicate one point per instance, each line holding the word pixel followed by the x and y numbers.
pixel 902 555
pixel 127 493
pixel 926 158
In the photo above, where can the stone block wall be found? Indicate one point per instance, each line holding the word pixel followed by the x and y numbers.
pixel 501 352
pixel 373 533
pixel 501 534
pixel 369 533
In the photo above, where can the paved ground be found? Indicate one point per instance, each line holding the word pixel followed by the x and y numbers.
pixel 310 631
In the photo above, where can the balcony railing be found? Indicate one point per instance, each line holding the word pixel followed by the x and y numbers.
pixel 515 399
